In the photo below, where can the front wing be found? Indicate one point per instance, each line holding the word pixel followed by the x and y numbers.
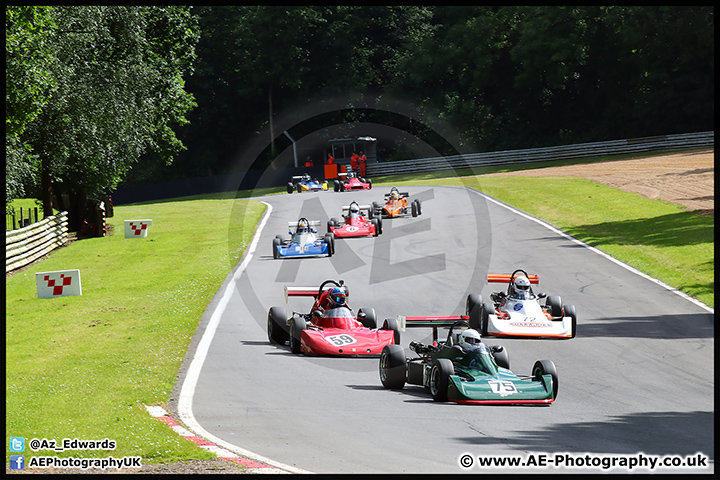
pixel 334 341
pixel 506 389
pixel 521 326
pixel 308 250
pixel 353 231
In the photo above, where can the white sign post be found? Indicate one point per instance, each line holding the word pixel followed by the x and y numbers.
pixel 137 228
pixel 58 284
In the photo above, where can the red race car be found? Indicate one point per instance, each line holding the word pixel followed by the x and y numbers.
pixel 356 223
pixel 331 327
pixel 350 181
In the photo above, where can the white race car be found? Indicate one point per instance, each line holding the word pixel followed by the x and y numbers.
pixel 518 313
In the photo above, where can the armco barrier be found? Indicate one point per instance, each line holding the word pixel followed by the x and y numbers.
pixel 27 244
pixel 513 157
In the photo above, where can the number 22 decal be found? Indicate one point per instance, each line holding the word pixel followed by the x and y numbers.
pixel 503 388
pixel 340 340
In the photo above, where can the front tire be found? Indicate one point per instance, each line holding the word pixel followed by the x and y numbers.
pixel 440 379
pixel 275 321
pixel 276 252
pixel 376 224
pixel 487 310
pixel 569 311
pixel 297 325
pixel 393 367
pixel 546 367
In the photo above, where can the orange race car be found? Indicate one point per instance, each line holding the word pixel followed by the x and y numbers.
pixel 397 205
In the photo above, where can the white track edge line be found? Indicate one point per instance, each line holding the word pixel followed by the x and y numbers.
pixel 193 373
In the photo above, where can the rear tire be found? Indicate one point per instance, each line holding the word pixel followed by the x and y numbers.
pixel 393 367
pixel 440 379
pixel 376 224
pixel 419 206
pixel 473 309
pixel 502 358
pixel 391 324
pixel 370 321
pixel 329 241
pixel 555 304
pixel 488 309
pixel 546 367
pixel 290 187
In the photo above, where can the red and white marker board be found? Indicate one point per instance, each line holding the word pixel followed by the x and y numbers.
pixel 58 284
pixel 137 228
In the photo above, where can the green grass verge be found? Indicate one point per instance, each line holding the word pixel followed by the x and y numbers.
pixel 84 366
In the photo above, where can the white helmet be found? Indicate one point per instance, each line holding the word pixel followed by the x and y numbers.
pixel 469 339
pixel 521 287
pixel 354 209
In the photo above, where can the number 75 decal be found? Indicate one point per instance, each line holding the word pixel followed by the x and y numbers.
pixel 503 388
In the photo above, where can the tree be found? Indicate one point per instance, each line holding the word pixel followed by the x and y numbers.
pixel 28 86
pixel 120 89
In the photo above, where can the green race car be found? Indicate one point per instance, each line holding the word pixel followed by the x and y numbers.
pixel 457 371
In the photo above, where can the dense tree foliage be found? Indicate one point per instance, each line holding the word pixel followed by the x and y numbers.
pixel 94 91
pixel 117 89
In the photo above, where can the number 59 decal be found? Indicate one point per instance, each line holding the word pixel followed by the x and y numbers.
pixel 339 340
pixel 503 388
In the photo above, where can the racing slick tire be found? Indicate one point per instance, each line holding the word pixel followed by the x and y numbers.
pixel 554 302
pixel 332 223
pixel 419 206
pixel 413 209
pixel 298 187
pixel 546 367
pixel 330 240
pixel 336 185
pixel 569 311
pixel 473 309
pixel 370 320
pixel 393 367
pixel 501 356
pixel 276 243
pixel 376 209
pixel 391 324
pixel 376 223
pixel 290 187
pixel 369 182
pixel 297 325
pixel 488 308
pixel 440 373
pixel 277 317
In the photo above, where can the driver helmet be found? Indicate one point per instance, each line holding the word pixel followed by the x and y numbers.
pixel 354 210
pixel 469 339
pixel 303 226
pixel 394 195
pixel 337 297
pixel 306 178
pixel 521 288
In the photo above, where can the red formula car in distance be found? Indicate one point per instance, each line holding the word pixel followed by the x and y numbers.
pixel 350 181
pixel 355 223
pixel 331 327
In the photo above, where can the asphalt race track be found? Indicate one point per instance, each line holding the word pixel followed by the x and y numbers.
pixel 636 382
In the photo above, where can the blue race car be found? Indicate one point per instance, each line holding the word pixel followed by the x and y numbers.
pixel 304 241
pixel 305 183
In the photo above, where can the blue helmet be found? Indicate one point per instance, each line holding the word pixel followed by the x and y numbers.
pixel 337 297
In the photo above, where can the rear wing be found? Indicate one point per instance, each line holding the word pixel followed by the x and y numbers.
pixel 402 194
pixel 301 292
pixel 505 278
pixel 311 223
pixel 434 322
pixel 361 207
